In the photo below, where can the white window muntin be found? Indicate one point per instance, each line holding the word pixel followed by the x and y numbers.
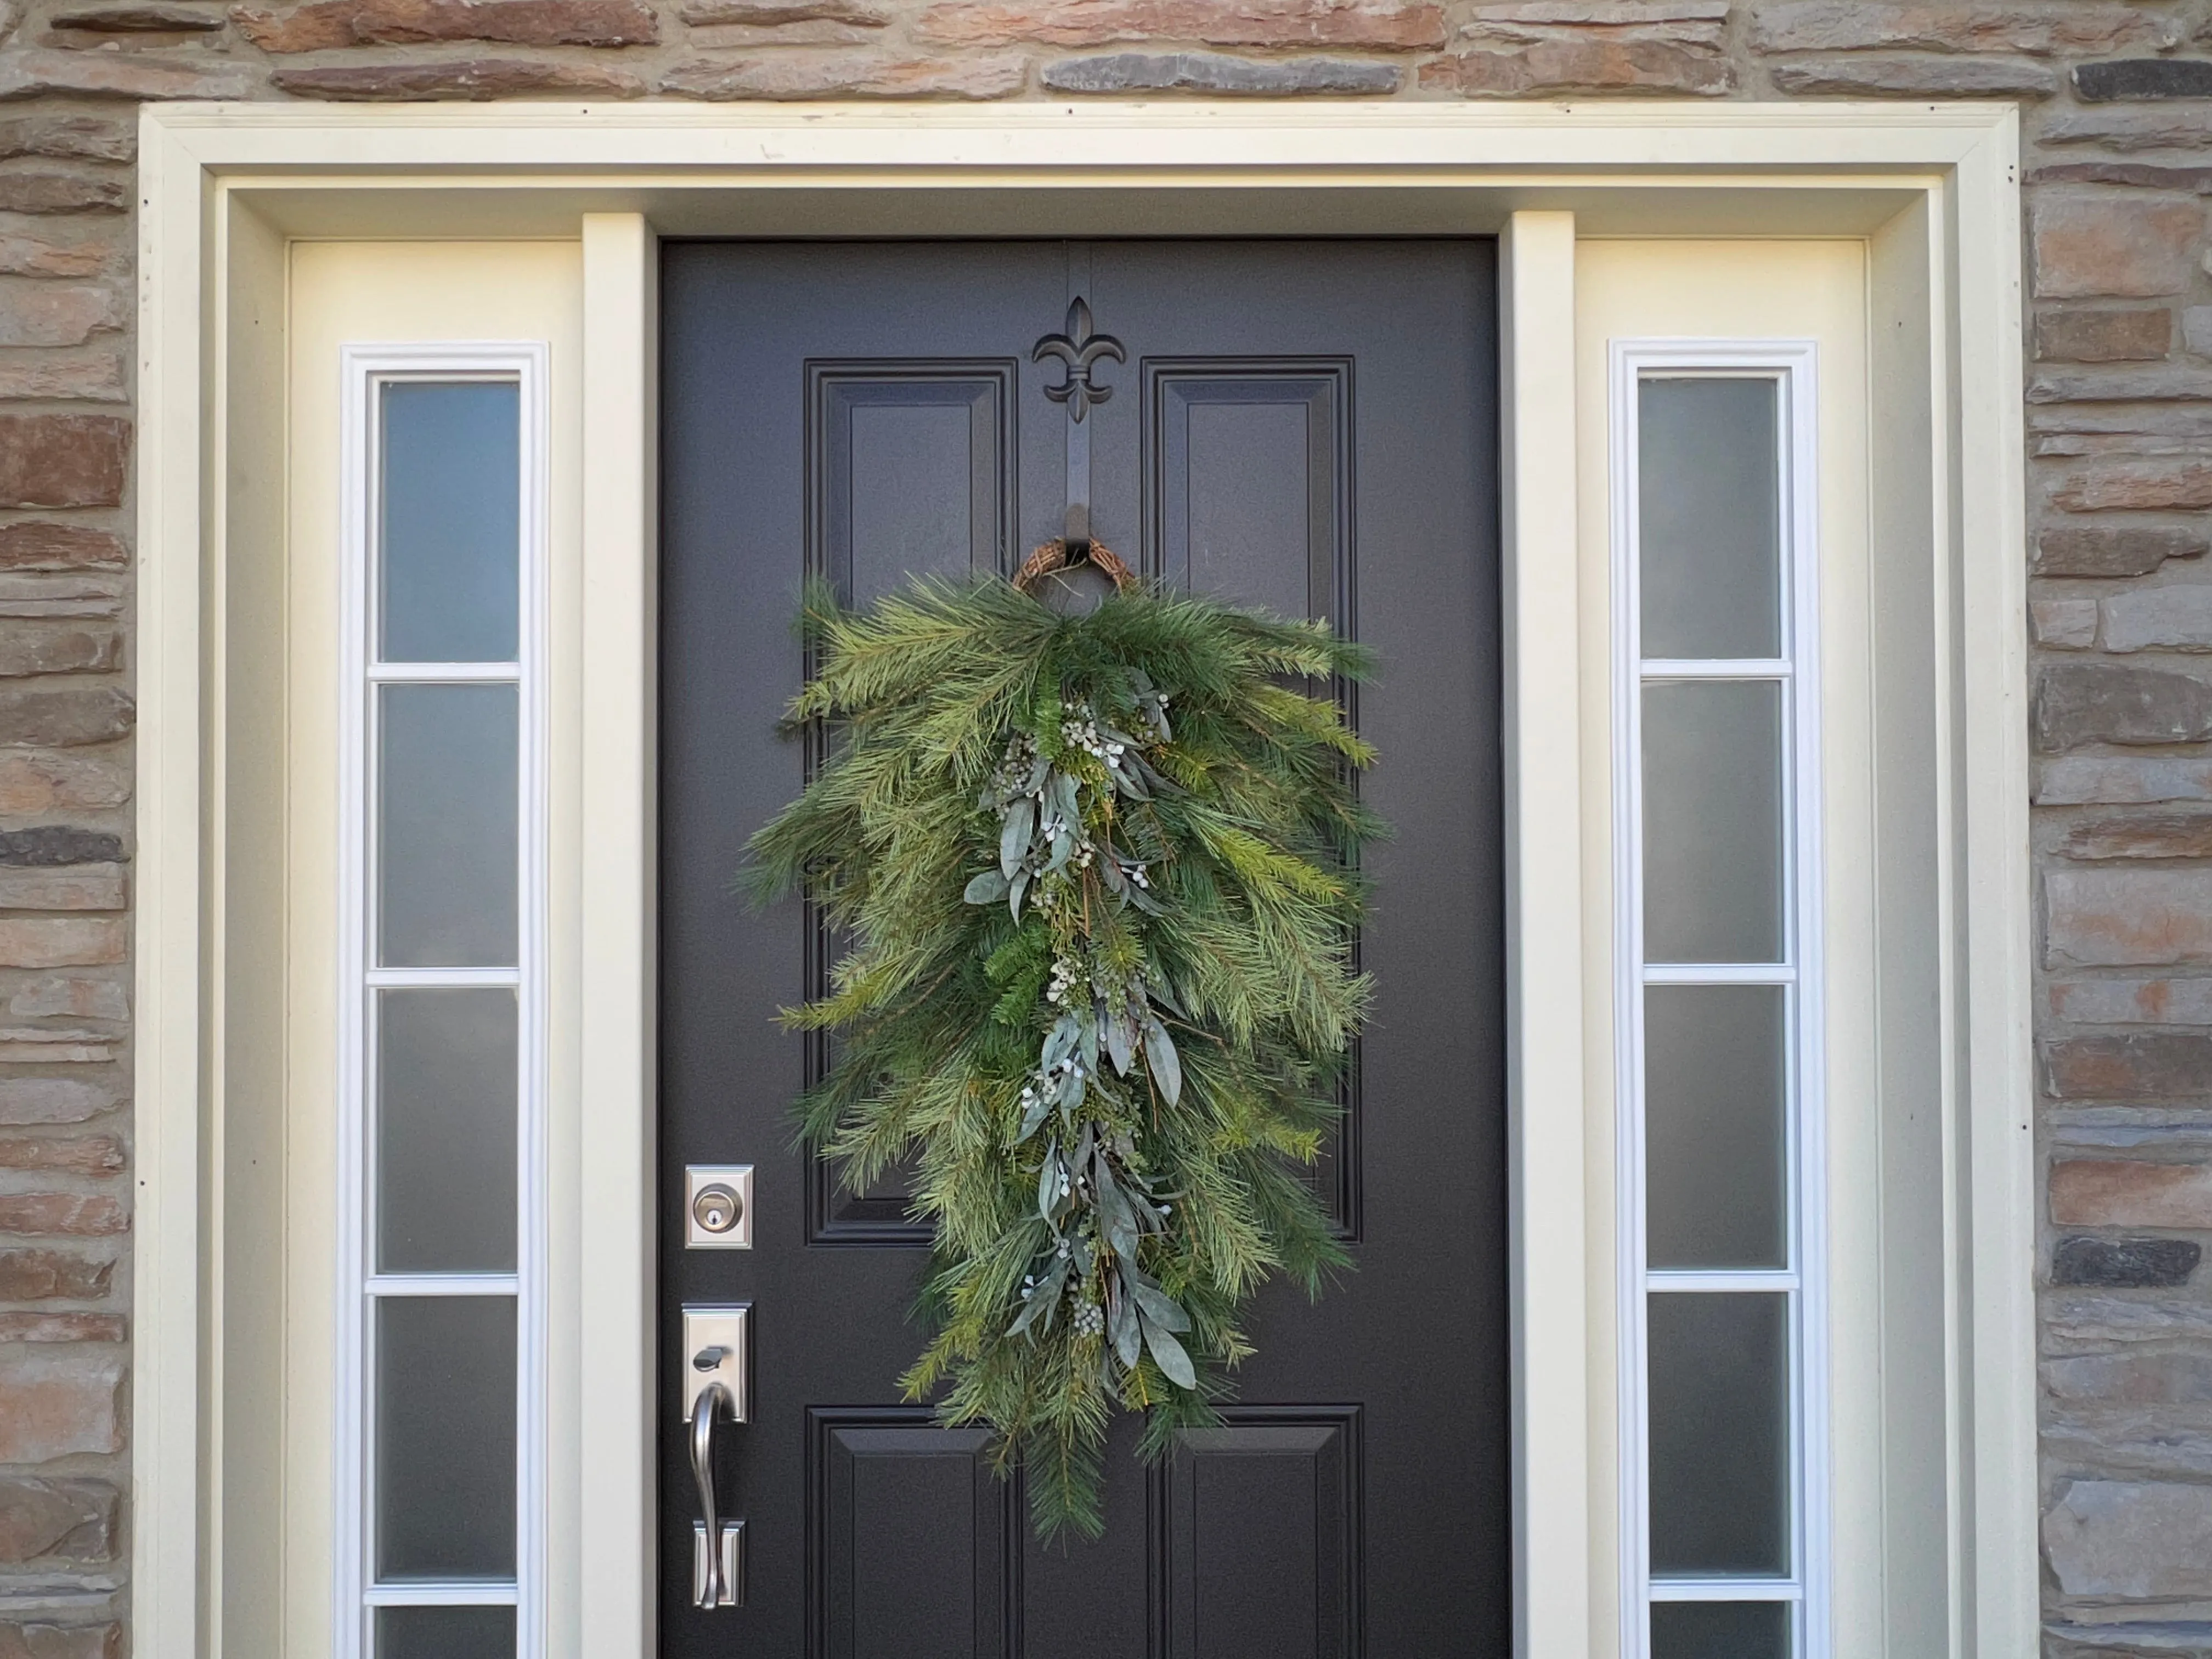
pixel 1791 365
pixel 366 371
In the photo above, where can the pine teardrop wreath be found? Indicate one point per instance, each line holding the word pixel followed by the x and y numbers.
pixel 1098 872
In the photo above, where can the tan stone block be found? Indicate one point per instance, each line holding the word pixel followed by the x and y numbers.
pixel 763 13
pixel 67 137
pixel 2169 382
pixel 1381 24
pixel 37 1641
pixel 28 648
pixel 2131 1379
pixel 2133 1001
pixel 94 377
pixel 1583 65
pixel 1886 76
pixel 35 783
pixel 327 23
pixel 2103 337
pixel 2064 624
pixel 73 1215
pixel 39 1100
pixel 729 37
pixel 2090 247
pixel 469 79
pixel 61 941
pixel 37 544
pixel 62 1327
pixel 43 313
pixel 38 72
pixel 2155 486
pixel 95 1155
pixel 41 1275
pixel 800 75
pixel 2117 779
pixel 54 1404
pixel 75 1520
pixel 35 253
pixel 56 191
pixel 143 19
pixel 2169 834
pixel 2128 918
pixel 2130 1193
pixel 2035 30
pixel 1219 73
pixel 38 717
pixel 63 460
pixel 68 594
pixel 2129 1066
pixel 2116 550
pixel 2111 1539
pixel 2175 618
pixel 2079 702
pixel 73 995
pixel 2173 127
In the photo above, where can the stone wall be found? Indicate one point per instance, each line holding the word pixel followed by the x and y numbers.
pixel 2118 107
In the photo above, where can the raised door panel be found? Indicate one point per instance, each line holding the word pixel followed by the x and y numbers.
pixel 1248 493
pixel 1259 1537
pixel 910 472
pixel 913 1541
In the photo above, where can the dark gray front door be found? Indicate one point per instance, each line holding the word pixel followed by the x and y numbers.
pixel 1309 425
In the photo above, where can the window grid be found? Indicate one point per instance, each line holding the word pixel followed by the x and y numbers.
pixel 367 371
pixel 1790 366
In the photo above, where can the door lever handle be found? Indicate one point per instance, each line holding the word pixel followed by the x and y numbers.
pixel 717 1546
pixel 715 1386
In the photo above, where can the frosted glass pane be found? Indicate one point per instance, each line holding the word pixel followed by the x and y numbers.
pixel 446 867
pixel 1712 821
pixel 451 522
pixel 445 1633
pixel 446 1131
pixel 1720 1630
pixel 444 1436
pixel 1719 1433
pixel 1710 518
pixel 1713 1127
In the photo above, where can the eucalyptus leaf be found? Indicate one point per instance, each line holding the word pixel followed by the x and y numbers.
pixel 1040 1107
pixel 1014 892
pixel 1123 1328
pixel 1049 1181
pixel 1168 1355
pixel 1014 836
pixel 1167 1065
pixel 1059 1042
pixel 986 889
pixel 1120 1043
pixel 1158 1307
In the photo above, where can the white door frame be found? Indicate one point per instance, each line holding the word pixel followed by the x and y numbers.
pixel 1932 189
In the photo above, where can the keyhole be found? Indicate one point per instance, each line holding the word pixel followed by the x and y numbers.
pixel 716 1208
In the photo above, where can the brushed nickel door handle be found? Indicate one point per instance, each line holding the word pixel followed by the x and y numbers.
pixel 716 1349
pixel 717 1546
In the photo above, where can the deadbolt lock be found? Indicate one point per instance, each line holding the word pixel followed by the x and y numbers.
pixel 718 1206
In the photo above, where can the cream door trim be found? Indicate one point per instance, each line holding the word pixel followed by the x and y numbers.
pixel 1931 189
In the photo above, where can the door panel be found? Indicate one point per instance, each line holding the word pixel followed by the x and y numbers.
pixel 1308 426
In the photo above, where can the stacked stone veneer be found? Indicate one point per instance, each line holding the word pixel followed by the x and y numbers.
pixel 2117 98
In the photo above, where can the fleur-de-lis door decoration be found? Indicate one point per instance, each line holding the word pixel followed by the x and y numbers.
pixel 1080 350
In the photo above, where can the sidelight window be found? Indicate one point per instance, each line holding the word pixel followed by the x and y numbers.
pixel 1723 1430
pixel 441 1297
